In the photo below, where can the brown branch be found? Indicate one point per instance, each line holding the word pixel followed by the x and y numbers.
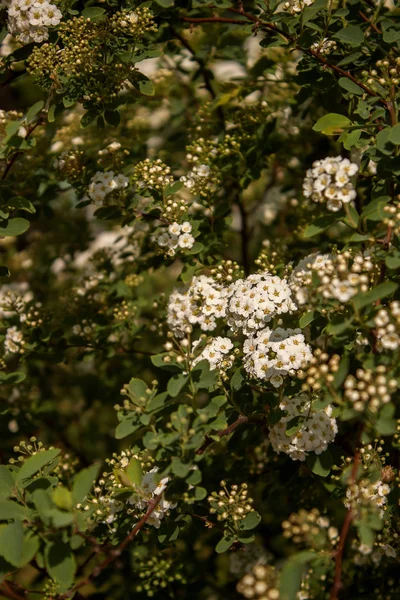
pixel 222 433
pixel 7 591
pixel 114 554
pixel 371 24
pixel 337 581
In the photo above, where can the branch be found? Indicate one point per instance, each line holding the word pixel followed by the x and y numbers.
pixel 337 581
pixel 222 433
pixel 114 554
pixel 7 591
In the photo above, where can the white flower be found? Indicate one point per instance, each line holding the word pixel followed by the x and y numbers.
pixel 216 353
pixel 174 229
pixel 186 227
pixel 186 240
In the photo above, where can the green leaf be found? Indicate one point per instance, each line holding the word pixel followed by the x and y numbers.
pixel 238 379
pixel 394 134
pixel 13 227
pixel 251 520
pixel 332 124
pixel 176 384
pixel 30 548
pixel 224 544
pixel 12 510
pixel 60 564
pixel 6 482
pixel 11 542
pixel 34 464
pixel 320 464
pixel 137 388
pixel 126 427
pixel 22 204
pixel 351 35
pixel 34 110
pixel 367 536
pixel 350 86
pixel 306 319
pixel 93 12
pixel 318 226
pixel 179 468
pixel 145 87
pixel 83 482
pixel 112 117
pixel 134 471
pixel 363 299
pixel 291 574
pixel 62 498
pixel 393 262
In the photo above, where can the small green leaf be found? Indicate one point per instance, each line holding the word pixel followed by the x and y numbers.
pixel 320 464
pixel 83 482
pixel 394 134
pixel 363 299
pixel 318 226
pixel 291 574
pixel 351 35
pixel 12 510
pixel 112 117
pixel 306 319
pixel 34 110
pixel 62 498
pixel 134 471
pixel 251 520
pixel 176 384
pixel 93 12
pixel 350 86
pixel 13 227
pixel 34 464
pixel 6 482
pixel 60 564
pixel 11 542
pixel 224 544
pixel 332 124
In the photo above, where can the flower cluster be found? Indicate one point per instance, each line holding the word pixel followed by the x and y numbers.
pixel 200 303
pixel 314 429
pixel 366 494
pixel 341 276
pixel 295 7
pixel 254 301
pixel 103 183
pixel 273 354
pixel 324 47
pixel 261 584
pixel 218 353
pixel 133 23
pixel 178 237
pixel 310 528
pixel 368 389
pixel 29 20
pixel 387 322
pixel 14 341
pixel 199 180
pixel 328 181
pixel 149 488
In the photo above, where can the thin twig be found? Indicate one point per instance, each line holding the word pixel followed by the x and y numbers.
pixel 114 554
pixel 223 432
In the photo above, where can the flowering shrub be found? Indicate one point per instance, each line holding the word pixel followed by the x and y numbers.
pixel 199 300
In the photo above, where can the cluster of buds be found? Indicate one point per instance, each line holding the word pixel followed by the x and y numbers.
pixel 227 271
pixel 294 7
pixel 86 329
pixel 70 165
pixel 311 529
pixel 133 23
pixel 386 73
pixel 152 174
pixel 136 396
pixel 392 221
pixel 28 450
pixel 33 317
pixel 387 322
pixel 113 157
pixel 125 311
pixel 320 372
pixel 324 47
pixel 133 280
pixel 231 506
pixel 368 389
pixel 14 342
pixel 156 574
pixel 268 259
pixel 365 496
pixel 262 583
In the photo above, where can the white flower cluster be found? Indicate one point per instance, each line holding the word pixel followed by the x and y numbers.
pixel 217 352
pixel 387 331
pixel 329 181
pixel 14 341
pixel 301 278
pixel 198 176
pixel 177 237
pixel 254 301
pixel 367 493
pixel 13 298
pixel 149 489
pixel 296 6
pixel 273 354
pixel 200 303
pixel 324 47
pixel 103 183
pixel 29 20
pixel 317 429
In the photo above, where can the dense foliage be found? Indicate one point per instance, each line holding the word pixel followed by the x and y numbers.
pixel 199 301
